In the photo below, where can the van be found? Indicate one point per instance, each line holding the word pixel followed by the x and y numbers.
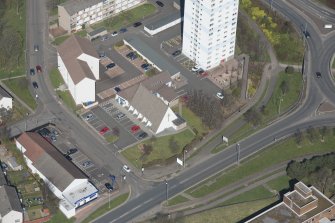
pixel 328 26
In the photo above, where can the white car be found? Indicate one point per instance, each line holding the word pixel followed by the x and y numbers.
pixel 195 68
pixel 114 33
pixel 126 168
pixel 88 117
pixel 220 95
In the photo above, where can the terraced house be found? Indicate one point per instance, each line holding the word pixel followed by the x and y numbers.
pixel 73 15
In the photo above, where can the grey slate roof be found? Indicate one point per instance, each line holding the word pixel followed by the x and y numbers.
pixel 163 21
pixel 4 93
pixel 74 6
pixel 49 161
pixel 9 200
pixel 144 49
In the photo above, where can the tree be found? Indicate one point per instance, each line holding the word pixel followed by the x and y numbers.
pixel 253 116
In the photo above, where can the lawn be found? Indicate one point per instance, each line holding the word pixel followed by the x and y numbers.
pixel 161 151
pixel 177 200
pixel 192 120
pixel 283 151
pixel 107 207
pixel 59 40
pixel 35 212
pixel 19 86
pixel 60 217
pixel 127 18
pixel 228 214
pixel 111 138
pixel 280 183
pixel 56 78
pixel 66 97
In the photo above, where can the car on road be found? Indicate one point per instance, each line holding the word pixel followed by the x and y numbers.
pixel 110 66
pixel 117 89
pixel 36 48
pixel 200 71
pixel 35 85
pixel 32 71
pixel 72 151
pixel 120 115
pixel 318 74
pixel 109 186
pixel 104 130
pixel 88 117
pixel 159 3
pixel 306 33
pixel 87 163
pixel 115 33
pixel 220 95
pixel 195 68
pixel 142 135
pixel 38 69
pixel 176 53
pixel 123 30
pixel 126 168
pixel 137 24
pixel 135 128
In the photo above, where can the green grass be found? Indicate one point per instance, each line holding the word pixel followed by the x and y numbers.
pixel 228 214
pixel 177 200
pixel 19 86
pixel 60 217
pixel 60 40
pixel 329 3
pixel 19 111
pixel 66 97
pixel 161 150
pixel 284 151
pixel 56 78
pixel 127 18
pixel 280 183
pixel 34 212
pixel 111 138
pixel 105 208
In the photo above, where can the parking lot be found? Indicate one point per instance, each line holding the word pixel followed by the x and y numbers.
pixel 108 115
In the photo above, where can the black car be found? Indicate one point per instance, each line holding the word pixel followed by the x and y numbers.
pixel 176 53
pixel 35 85
pixel 109 186
pixel 32 71
pixel 159 3
pixel 143 135
pixel 137 24
pixel 68 157
pixel 44 132
pixel 131 56
pixel 111 65
pixel 318 74
pixel 306 33
pixel 117 89
pixel 72 151
pixel 120 115
pixel 123 30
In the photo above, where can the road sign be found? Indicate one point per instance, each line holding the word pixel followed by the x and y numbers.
pixel 179 161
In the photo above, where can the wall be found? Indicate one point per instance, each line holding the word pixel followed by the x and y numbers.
pixel 85 91
pixel 6 103
pixel 166 121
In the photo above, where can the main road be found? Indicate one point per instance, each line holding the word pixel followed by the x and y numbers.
pixel 317 59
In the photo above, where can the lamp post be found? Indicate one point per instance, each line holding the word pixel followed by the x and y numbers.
pixel 167 191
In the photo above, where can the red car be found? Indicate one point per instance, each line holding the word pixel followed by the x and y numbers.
pixel 104 130
pixel 135 128
pixel 38 68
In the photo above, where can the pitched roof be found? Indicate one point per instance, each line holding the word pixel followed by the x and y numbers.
pixel 9 200
pixel 70 50
pixel 49 161
pixel 4 93
pixel 157 81
pixel 168 93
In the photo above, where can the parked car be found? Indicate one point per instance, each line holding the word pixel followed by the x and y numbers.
pixel 220 95
pixel 68 157
pixel 88 117
pixel 72 151
pixel 35 85
pixel 115 33
pixel 135 128
pixel 126 168
pixel 36 48
pixel 120 115
pixel 318 74
pixel 142 135
pixel 137 24
pixel 123 30
pixel 159 3
pixel 110 66
pixel 55 132
pixel 38 69
pixel 176 53
pixel 53 138
pixel 104 130
pixel 32 71
pixel 44 132
pixel 145 66
pixel 117 89
pixel 4 166
pixel 102 54
pixel 87 163
pixel 195 68
pixel 109 186
pixel 131 56
pixel 104 38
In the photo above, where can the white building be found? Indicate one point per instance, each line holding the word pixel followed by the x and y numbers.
pixel 6 100
pixel 64 179
pixel 73 14
pixel 10 206
pixel 209 31
pixel 78 63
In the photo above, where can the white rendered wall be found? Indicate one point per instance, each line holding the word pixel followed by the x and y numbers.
pixel 167 121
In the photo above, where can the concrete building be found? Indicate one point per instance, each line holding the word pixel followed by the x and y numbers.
pixel 74 14
pixel 302 205
pixel 209 31
pixel 78 63
pixel 6 100
pixel 64 179
pixel 10 206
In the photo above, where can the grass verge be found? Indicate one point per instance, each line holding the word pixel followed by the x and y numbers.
pixel 106 207
pixel 66 97
pixel 56 78
pixel 60 217
pixel 281 152
pixel 19 86
pixel 111 138
pixel 328 3
pixel 177 200
pixel 59 40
